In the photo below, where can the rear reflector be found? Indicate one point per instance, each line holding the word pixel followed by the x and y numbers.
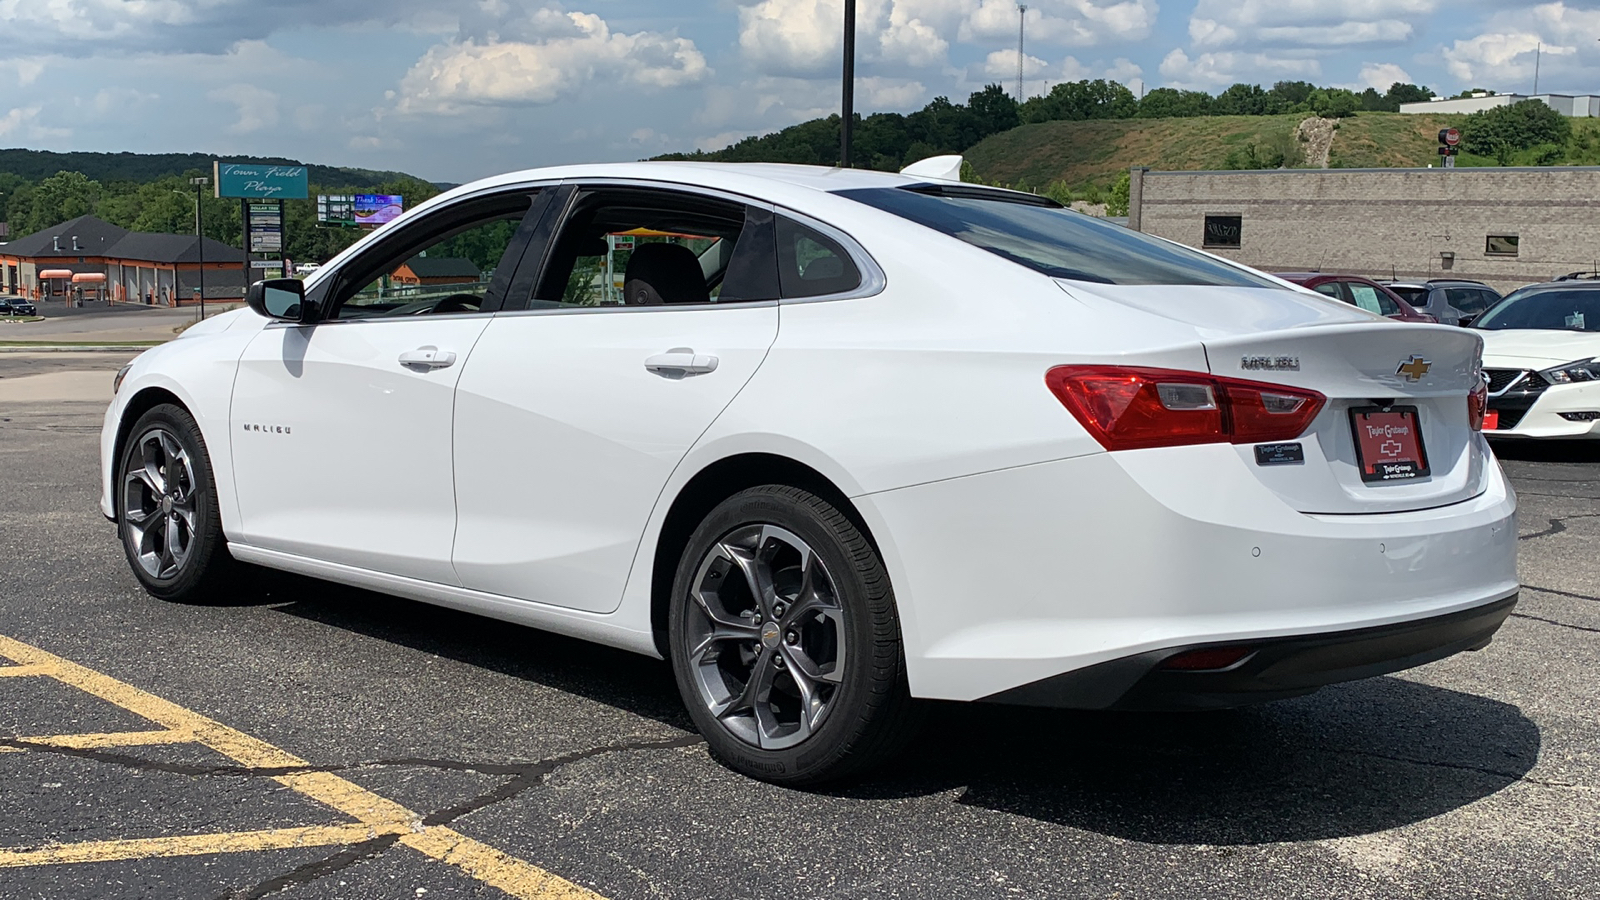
pixel 1128 408
pixel 1210 658
pixel 1477 405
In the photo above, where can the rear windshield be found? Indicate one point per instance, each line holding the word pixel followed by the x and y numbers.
pixel 1041 235
pixel 1416 296
pixel 1577 310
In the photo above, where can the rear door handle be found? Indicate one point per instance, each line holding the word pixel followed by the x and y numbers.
pixel 681 362
pixel 429 357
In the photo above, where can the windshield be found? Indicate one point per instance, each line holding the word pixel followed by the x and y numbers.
pixel 1039 234
pixel 1557 310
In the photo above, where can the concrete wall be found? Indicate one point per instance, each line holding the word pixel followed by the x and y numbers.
pixel 1387 222
pixel 1464 105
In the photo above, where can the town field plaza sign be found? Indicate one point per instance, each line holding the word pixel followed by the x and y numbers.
pixel 254 181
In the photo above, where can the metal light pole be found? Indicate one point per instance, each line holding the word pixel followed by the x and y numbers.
pixel 1022 35
pixel 200 240
pixel 847 121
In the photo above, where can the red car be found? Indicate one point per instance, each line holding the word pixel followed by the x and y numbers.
pixel 1357 291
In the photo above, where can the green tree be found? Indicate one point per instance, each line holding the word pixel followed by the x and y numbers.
pixel 1333 103
pixel 1503 131
pixel 1078 100
pixel 1400 92
pixel 62 196
pixel 1117 204
pixel 1291 94
pixel 1242 100
pixel 1169 103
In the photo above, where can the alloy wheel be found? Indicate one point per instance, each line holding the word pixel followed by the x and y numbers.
pixel 765 636
pixel 159 503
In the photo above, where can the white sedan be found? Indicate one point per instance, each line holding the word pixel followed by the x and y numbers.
pixel 831 441
pixel 1540 350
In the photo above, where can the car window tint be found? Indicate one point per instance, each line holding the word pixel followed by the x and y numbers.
pixel 1552 310
pixel 1371 299
pixel 647 247
pixel 1331 289
pixel 1042 236
pixel 1469 300
pixel 441 265
pixel 1416 296
pixel 811 264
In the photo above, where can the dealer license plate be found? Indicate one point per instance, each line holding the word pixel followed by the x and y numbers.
pixel 1388 443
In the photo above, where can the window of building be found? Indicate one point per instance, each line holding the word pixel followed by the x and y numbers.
pixel 1501 245
pixel 1223 231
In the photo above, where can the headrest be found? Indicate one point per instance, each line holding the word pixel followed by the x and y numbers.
pixel 661 274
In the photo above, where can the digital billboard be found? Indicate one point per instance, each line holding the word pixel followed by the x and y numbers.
pixel 350 210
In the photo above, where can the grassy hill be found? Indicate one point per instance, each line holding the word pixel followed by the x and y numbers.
pixel 34 165
pixel 1097 152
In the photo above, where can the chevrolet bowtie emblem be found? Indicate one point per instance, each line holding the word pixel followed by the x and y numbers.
pixel 1414 368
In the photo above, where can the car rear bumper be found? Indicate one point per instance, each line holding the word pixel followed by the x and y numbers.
pixel 1274 668
pixel 1010 578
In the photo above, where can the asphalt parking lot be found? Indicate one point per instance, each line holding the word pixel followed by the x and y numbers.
pixel 312 741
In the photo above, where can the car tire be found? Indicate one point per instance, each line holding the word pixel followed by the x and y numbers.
pixel 809 684
pixel 167 517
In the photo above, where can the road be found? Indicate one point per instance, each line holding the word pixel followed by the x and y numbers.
pixel 311 741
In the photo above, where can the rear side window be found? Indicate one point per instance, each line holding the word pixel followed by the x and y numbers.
pixel 1371 299
pixel 1416 296
pixel 1042 236
pixel 811 264
pixel 1469 300
pixel 1331 289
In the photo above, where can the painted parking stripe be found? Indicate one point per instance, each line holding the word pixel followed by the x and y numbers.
pixel 188 845
pixel 376 815
pixel 21 671
pixel 112 739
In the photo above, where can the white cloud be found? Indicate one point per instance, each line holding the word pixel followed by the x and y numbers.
pixel 15 119
pixel 1380 76
pixel 1072 23
pixel 805 38
pixel 257 107
pixel 23 122
pixel 563 52
pixel 1502 56
pixel 1210 71
pixel 1305 23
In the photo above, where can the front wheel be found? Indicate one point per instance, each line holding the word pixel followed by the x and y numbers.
pixel 167 509
pixel 785 641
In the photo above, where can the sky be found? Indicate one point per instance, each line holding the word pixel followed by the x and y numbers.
pixel 452 91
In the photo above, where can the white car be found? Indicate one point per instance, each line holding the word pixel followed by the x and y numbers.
pixel 1540 346
pixel 844 439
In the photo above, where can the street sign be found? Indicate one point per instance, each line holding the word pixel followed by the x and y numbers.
pixel 257 182
pixel 265 226
pixel 1449 137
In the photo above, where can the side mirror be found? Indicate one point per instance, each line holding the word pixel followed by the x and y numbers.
pixel 283 299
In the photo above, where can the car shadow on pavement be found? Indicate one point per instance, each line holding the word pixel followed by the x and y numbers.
pixel 1547 451
pixel 628 681
pixel 1349 760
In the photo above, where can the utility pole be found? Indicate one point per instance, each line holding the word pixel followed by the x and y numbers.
pixel 1538 50
pixel 1022 41
pixel 847 121
pixel 200 240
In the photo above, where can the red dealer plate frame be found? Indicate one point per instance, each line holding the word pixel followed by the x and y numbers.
pixel 1388 444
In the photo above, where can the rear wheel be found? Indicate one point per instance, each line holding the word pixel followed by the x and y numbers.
pixel 785 641
pixel 167 509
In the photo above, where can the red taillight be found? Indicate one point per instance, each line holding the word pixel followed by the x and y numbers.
pixel 1129 408
pixel 1477 403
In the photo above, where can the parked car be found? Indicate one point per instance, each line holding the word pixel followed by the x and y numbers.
pixel 1450 300
pixel 1540 346
pixel 844 439
pixel 1357 291
pixel 17 306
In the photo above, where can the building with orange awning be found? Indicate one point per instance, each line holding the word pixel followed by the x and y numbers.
pixel 96 260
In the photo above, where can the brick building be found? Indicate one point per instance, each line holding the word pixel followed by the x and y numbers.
pixel 104 261
pixel 1504 226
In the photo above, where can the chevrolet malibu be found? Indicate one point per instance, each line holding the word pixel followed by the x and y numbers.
pixel 831 441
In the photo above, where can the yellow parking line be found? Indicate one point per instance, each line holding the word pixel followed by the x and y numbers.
pixel 113 739
pixel 188 845
pixel 20 671
pixel 377 815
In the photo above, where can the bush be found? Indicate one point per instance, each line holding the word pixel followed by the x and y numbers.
pixel 1504 131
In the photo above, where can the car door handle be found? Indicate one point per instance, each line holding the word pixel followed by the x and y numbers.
pixel 681 362
pixel 428 358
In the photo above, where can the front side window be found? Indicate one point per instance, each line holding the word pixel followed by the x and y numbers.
pixel 1550 310
pixel 1041 235
pixel 445 264
pixel 647 247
